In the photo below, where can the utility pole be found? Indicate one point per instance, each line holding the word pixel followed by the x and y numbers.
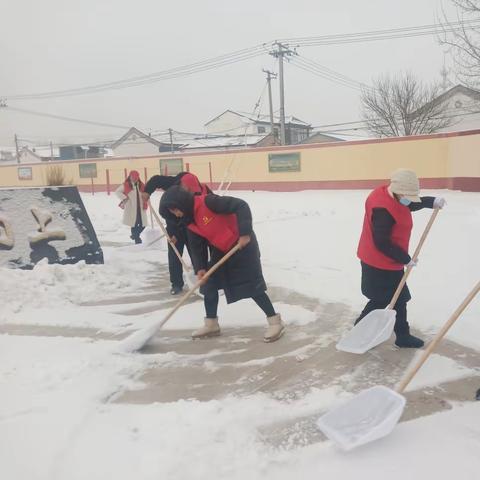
pixel 170 131
pixel 271 75
pixel 16 147
pixel 282 51
pixel 51 151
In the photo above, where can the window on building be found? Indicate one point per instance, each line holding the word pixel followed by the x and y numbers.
pixel 284 162
pixel 25 173
pixel 261 130
pixel 88 170
pixel 171 166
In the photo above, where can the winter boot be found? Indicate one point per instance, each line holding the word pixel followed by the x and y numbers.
pixel 211 329
pixel 408 341
pixel 175 290
pixel 275 328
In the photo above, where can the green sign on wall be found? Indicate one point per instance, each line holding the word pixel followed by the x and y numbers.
pixel 283 162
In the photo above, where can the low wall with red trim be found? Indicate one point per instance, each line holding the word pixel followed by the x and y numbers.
pixel 447 160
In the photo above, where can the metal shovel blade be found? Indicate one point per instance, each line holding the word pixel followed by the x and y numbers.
pixel 374 329
pixel 368 416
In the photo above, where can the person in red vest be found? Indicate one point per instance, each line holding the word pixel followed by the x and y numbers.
pixel 384 244
pixel 133 205
pixel 219 223
pixel 176 231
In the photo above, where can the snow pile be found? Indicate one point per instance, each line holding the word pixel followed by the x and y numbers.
pixel 55 286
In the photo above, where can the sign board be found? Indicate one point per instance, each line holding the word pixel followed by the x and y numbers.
pixel 45 222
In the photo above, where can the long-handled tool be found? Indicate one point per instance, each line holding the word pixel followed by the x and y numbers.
pixel 140 338
pixel 373 413
pixel 169 239
pixel 377 326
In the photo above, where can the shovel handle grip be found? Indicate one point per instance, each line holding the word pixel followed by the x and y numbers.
pixel 438 337
pixel 415 256
pixel 175 249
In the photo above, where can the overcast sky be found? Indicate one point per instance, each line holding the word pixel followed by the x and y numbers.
pixel 61 44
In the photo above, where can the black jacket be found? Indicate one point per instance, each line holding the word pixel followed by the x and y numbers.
pixel 241 276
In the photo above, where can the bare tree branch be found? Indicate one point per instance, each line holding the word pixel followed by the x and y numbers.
pixel 402 105
pixel 464 45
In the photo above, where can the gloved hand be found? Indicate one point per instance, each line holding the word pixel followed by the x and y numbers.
pixel 439 202
pixel 412 263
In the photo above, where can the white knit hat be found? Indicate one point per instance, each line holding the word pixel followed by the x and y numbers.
pixel 405 182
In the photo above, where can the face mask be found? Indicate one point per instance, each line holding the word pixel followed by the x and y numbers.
pixel 405 201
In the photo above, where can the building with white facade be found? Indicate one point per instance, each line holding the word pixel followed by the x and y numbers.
pixel 233 123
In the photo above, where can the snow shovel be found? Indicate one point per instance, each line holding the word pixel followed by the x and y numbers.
pixel 140 338
pixel 151 235
pixel 189 274
pixel 377 326
pixel 373 413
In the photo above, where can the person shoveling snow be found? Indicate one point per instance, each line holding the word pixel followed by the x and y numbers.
pixel 217 223
pixel 383 248
pixel 175 230
pixel 134 207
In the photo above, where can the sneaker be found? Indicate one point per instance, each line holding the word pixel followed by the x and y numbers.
pixel 210 329
pixel 175 290
pixel 408 341
pixel 275 328
pixel 477 396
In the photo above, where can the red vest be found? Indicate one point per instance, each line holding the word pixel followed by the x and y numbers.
pixel 367 251
pixel 220 230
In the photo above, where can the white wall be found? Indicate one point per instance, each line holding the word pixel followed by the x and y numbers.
pixel 231 124
pixel 135 146
pixel 464 106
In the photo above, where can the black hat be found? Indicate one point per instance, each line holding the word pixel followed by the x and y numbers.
pixel 177 197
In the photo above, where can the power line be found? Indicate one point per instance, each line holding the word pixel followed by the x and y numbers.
pixel 251 52
pixel 172 73
pixel 327 73
pixel 387 34
pixel 68 119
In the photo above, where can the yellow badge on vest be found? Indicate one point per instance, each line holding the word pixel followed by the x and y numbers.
pixel 207 220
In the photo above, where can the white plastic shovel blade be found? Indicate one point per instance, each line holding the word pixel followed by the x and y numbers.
pixel 190 279
pixel 368 416
pixel 374 329
pixel 151 237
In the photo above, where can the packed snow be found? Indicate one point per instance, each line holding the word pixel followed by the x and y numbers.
pixel 58 416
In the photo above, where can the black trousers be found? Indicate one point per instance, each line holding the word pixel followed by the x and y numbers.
pixel 401 324
pixel 174 264
pixel 379 286
pixel 138 228
pixel 210 301
pixel 136 231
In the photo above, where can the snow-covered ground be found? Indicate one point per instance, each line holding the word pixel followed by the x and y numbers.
pixel 56 421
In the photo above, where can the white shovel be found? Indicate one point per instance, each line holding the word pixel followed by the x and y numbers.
pixel 377 326
pixel 373 413
pixel 151 235
pixel 140 338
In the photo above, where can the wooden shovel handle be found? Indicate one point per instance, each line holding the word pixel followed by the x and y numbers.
pixel 185 297
pixel 415 256
pixel 438 337
pixel 175 249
